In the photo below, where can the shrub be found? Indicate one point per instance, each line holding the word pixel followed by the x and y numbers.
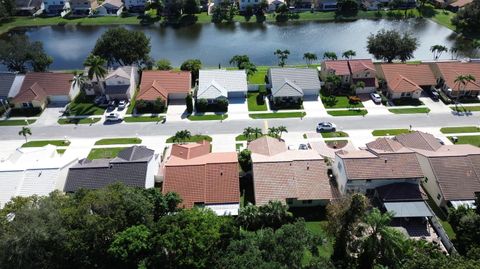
pixel 157 106
pixel 201 105
pixel 445 99
pixel 245 160
pixel 354 99
pixel 222 104
pixel 189 103
pixel 260 98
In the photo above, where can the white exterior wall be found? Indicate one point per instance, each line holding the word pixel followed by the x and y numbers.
pixel 74 91
pixel 152 170
pixel 430 185
pixel 415 95
pixel 117 81
pixel 134 77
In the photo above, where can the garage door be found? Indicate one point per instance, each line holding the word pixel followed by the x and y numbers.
pixel 236 95
pixel 58 100
pixel 177 96
pixel 310 94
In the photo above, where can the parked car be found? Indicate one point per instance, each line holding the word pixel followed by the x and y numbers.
pixel 440 141
pixel 326 127
pixel 122 105
pixel 111 105
pixel 433 94
pixel 377 99
pixel 303 147
pixel 113 117
pixel 100 100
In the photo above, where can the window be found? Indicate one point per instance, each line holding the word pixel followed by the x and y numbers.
pixel 425 180
pixel 306 202
pixel 409 94
pixel 289 201
pixel 439 196
pixel 339 165
pixel 369 180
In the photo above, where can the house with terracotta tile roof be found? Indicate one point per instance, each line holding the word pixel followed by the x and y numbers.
pixel 164 85
pixel 352 72
pixel 41 88
pixel 452 172
pixel 294 177
pixel 203 178
pixel 406 80
pixel 447 72
pixel 383 162
pixel 456 5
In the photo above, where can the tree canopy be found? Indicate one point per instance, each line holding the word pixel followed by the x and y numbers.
pixel 7 9
pixel 192 65
pixel 391 45
pixel 19 54
pixel 467 18
pixel 124 47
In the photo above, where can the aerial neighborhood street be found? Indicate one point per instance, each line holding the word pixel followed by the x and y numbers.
pixel 240 134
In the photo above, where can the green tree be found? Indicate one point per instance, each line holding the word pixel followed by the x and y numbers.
pixel 437 51
pixel 462 82
pixel 248 13
pixel 18 54
pixel 78 80
pixel 25 131
pixel 238 60
pixel 273 132
pixel 282 56
pixel 96 67
pixel 330 55
pixel 467 18
pixel 249 68
pixel 193 66
pixel 309 58
pixel 132 246
pixel 245 160
pixel 182 136
pixel 332 82
pixel 222 104
pixel 390 45
pixel 281 129
pixel 191 6
pixel 257 132
pixel 7 9
pixel 189 103
pixel 454 52
pixel 348 7
pixel 163 64
pixel 123 47
pixel 273 215
pixel 247 132
pixel 349 54
pixel 201 105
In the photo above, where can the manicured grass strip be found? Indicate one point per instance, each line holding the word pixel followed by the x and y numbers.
pixel 253 105
pixel 104 153
pixel 16 122
pixel 456 130
pixel 116 141
pixel 334 134
pixel 409 110
pixel 41 143
pixel 277 115
pixel 339 102
pixel 207 117
pixel 79 121
pixel 390 132
pixel 143 119
pixel 468 139
pixel 259 76
pixel 242 137
pixel 351 112
pixel 194 138
pixel 465 108
pixel 61 151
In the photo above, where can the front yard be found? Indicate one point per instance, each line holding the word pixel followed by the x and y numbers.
pixel 456 130
pixel 41 143
pixel 468 139
pixel 254 104
pixel 386 132
pixel 350 112
pixel 116 141
pixel 83 105
pixel 407 102
pixel 464 109
pixel 193 138
pixel 104 153
pixel 207 117
pixel 278 115
pixel 415 110
pixel 79 121
pixel 339 102
pixel 16 122
pixel 334 134
pixel 144 119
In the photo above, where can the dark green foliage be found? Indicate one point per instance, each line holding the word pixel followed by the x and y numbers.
pixel 189 103
pixel 124 47
pixel 239 60
pixel 18 54
pixel 226 11
pixel 467 19
pixel 7 9
pixel 163 64
pixel 191 6
pixel 222 104
pixel 390 45
pixel 157 106
pixel 131 246
pixel 272 215
pixel 192 65
pixel 245 160
pixel 201 105
pixel 348 7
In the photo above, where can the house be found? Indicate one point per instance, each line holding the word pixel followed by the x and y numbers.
pixel 243 4
pixel 53 7
pixel 274 4
pixel 166 85
pixel 202 178
pixel 351 72
pixel 135 6
pixel 33 171
pixel 293 84
pixel 452 172
pixel 407 80
pixel 80 7
pixel 134 166
pixel 327 5
pixel 215 84
pixel 41 88
pixel 447 72
pixel 383 162
pixel 294 177
pixel 456 5
pixel 10 84
pixel 109 8
pixel 27 7
pixel 121 83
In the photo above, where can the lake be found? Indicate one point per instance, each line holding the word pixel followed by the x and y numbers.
pixel 216 44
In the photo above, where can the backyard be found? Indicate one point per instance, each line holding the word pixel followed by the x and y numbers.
pixel 254 103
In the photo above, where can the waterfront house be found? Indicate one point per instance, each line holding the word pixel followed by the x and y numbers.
pixel 203 178
pixel 134 166
pixel 10 84
pixel 33 171
pixel 447 72
pixel 27 7
pixel 294 177
pixel 53 7
pixel 109 8
pixel 215 84
pixel 121 83
pixel 164 85
pixel 135 6
pixel 41 88
pixel 351 72
pixel 406 80
pixel 80 7
pixel 293 85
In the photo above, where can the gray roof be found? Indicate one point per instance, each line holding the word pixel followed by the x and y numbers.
pixel 129 168
pixel 6 83
pixel 293 81
pixel 217 83
pixel 116 89
pixel 408 209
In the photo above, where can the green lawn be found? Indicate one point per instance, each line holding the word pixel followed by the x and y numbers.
pixel 207 117
pixel 385 132
pixel 253 105
pixel 242 137
pixel 277 115
pixel 83 105
pixel 350 112
pixel 79 121
pixel 194 138
pixel 115 141
pixel 104 153
pixel 41 143
pixel 339 102
pixel 444 18
pixel 407 102
pixel 259 76
pixel 456 130
pixel 468 139
pixel 442 217
pixel 144 119
pixel 415 110
pixel 334 134
pixel 465 108
pixel 61 151
pixel 16 122
pixel 325 250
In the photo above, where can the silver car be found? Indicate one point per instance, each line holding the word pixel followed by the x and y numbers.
pixel 326 127
pixel 113 117
pixel 376 97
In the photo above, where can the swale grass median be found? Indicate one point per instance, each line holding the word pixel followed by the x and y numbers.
pixel 278 115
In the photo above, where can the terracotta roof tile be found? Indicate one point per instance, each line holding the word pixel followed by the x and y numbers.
pixel 267 145
pixel 386 145
pixel 407 75
pixel 163 83
pixel 419 140
pixel 341 67
pixel 357 65
pixel 460 3
pixel 451 70
pixel 39 85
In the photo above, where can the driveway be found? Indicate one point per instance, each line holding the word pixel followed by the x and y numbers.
pixel 237 109
pixel 176 110
pixel 372 107
pixel 50 116
pixel 435 107
pixel 314 108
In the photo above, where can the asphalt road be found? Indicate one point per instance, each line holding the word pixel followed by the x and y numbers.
pixel 237 126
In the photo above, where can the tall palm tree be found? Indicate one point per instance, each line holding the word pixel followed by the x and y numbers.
pixel 96 67
pixel 78 80
pixel 453 52
pixel 282 56
pixel 250 68
pixel 247 132
pixel 349 54
pixel 437 51
pixel 248 217
pixel 309 58
pixel 462 81
pixel 273 132
pixel 257 132
pixel 330 55
pixel 282 129
pixel 182 136
pixel 24 132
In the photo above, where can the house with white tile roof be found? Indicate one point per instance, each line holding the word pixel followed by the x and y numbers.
pixel 293 84
pixel 215 84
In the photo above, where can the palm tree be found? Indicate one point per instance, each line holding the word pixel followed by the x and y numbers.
pixel 96 67
pixel 282 129
pixel 78 80
pixel 273 132
pixel 248 217
pixel 332 82
pixel 257 132
pixel 247 132
pixel 238 60
pixel 282 56
pixel 437 51
pixel 309 58
pixel 182 136
pixel 349 54
pixel 330 55
pixel 24 132
pixel 249 67
pixel 453 52
pixel 462 80
pixel 275 214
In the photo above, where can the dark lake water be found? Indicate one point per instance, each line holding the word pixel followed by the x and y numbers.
pixel 216 44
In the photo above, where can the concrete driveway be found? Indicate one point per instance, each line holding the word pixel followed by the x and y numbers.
pixel 237 109
pixel 435 107
pixel 176 110
pixel 314 108
pixel 50 116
